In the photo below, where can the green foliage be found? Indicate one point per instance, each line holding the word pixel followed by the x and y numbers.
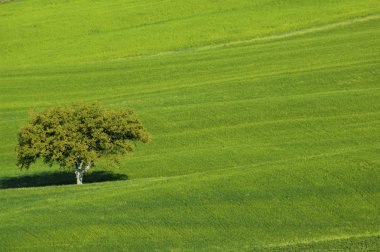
pixel 78 133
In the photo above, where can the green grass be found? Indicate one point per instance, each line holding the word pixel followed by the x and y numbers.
pixel 265 117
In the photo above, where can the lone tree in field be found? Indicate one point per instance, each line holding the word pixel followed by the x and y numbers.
pixel 78 135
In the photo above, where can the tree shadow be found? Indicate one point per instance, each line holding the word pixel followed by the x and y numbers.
pixel 58 178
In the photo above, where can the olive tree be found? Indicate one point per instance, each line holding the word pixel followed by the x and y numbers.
pixel 76 136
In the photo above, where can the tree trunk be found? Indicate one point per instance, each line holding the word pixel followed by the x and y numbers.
pixel 79 171
pixel 79 175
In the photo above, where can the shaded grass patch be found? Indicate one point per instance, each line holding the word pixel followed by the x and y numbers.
pixel 57 178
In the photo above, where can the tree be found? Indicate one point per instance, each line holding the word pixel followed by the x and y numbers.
pixel 76 136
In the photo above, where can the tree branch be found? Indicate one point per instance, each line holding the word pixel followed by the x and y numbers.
pixel 88 166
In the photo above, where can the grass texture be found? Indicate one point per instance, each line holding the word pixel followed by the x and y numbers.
pixel 265 117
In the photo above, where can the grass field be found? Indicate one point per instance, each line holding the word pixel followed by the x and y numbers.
pixel 265 118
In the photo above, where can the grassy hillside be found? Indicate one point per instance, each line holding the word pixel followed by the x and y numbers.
pixel 265 116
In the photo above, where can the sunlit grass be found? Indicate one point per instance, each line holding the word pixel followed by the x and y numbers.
pixel 267 144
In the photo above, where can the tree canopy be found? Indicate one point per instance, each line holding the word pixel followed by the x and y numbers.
pixel 76 136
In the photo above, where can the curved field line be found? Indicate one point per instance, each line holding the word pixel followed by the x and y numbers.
pixel 294 33
pixel 273 37
pixel 323 239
